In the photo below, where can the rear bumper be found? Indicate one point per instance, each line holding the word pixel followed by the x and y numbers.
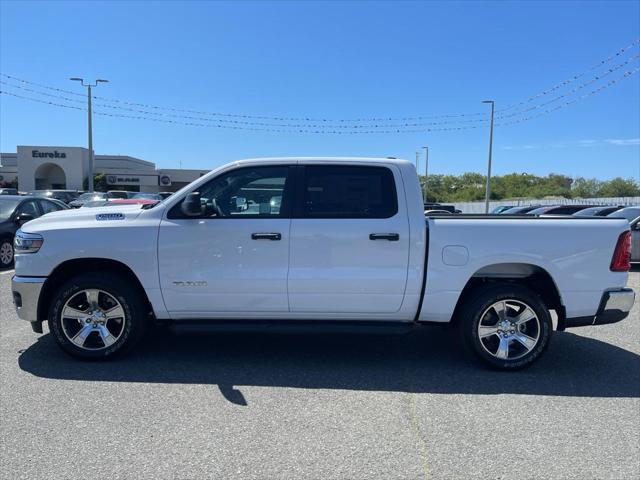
pixel 614 306
pixel 26 293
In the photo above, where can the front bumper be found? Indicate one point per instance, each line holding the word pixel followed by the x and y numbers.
pixel 614 306
pixel 26 293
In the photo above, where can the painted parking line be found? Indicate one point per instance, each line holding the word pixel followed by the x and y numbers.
pixel 6 272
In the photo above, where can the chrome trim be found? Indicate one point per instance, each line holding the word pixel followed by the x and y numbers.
pixel 621 300
pixel 29 289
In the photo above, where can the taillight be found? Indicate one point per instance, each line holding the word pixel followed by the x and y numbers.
pixel 621 261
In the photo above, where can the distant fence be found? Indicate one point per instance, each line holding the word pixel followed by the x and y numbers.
pixel 478 207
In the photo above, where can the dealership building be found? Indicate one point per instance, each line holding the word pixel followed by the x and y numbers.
pixel 66 168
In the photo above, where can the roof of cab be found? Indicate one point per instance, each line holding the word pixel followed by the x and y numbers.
pixel 302 160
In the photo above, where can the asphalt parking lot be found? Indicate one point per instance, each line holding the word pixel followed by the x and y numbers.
pixel 318 406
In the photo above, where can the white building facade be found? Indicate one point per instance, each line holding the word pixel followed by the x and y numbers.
pixel 67 168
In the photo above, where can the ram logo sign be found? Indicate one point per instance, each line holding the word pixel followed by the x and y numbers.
pixel 118 180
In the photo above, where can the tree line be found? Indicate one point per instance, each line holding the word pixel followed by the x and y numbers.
pixel 470 187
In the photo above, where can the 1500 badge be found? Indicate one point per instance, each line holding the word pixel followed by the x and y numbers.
pixel 188 283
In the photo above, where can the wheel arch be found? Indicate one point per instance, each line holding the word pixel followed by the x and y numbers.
pixel 532 276
pixel 69 268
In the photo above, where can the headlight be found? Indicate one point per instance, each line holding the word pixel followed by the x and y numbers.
pixel 27 242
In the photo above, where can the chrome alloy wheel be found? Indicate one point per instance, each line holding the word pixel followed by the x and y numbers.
pixel 93 319
pixel 6 253
pixel 509 329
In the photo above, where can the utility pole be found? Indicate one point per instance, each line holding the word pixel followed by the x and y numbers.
pixel 418 168
pixel 426 174
pixel 488 187
pixel 90 126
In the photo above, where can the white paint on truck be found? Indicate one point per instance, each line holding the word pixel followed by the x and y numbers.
pixel 282 247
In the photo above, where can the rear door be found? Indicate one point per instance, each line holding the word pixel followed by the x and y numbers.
pixel 349 240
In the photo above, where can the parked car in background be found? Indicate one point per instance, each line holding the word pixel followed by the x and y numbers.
pixel 439 206
pixel 635 240
pixel 119 201
pixel 558 209
pixel 87 197
pixel 630 213
pixel 65 196
pixel 437 212
pixel 8 191
pixel 95 203
pixel 119 194
pixel 165 194
pixel 600 211
pixel 14 212
pixel 147 196
pixel 522 210
pixel 501 208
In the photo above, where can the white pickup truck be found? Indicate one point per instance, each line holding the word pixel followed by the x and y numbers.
pixel 317 241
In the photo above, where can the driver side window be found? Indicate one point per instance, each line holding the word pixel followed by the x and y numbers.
pixel 251 192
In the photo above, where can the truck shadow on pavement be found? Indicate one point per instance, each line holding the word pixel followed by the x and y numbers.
pixel 424 361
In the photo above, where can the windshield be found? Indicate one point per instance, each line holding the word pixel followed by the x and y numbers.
pixel 592 211
pixel 538 211
pixel 628 213
pixel 92 196
pixel 7 206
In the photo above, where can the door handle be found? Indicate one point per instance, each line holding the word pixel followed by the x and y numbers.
pixel 266 236
pixel 392 237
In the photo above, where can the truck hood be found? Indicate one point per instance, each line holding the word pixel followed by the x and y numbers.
pixel 83 218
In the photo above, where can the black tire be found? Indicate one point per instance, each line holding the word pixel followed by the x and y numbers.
pixel 478 307
pixel 6 244
pixel 120 288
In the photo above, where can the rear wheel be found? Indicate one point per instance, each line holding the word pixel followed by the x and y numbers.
pixel 97 316
pixel 506 326
pixel 6 253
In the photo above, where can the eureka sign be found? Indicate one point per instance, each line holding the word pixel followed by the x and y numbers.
pixel 54 154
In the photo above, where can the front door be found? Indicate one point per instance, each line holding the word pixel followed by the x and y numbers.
pixel 234 258
pixel 349 241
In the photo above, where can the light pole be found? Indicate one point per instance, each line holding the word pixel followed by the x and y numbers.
pixel 426 174
pixel 488 188
pixel 88 85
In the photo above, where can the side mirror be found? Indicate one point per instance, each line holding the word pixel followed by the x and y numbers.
pixel 24 218
pixel 191 205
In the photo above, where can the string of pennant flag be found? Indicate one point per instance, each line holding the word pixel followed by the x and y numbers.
pixel 449 122
pixel 336 132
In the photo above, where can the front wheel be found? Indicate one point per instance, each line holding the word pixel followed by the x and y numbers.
pixel 6 253
pixel 506 326
pixel 97 316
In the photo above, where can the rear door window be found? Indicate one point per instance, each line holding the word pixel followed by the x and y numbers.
pixel 349 192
